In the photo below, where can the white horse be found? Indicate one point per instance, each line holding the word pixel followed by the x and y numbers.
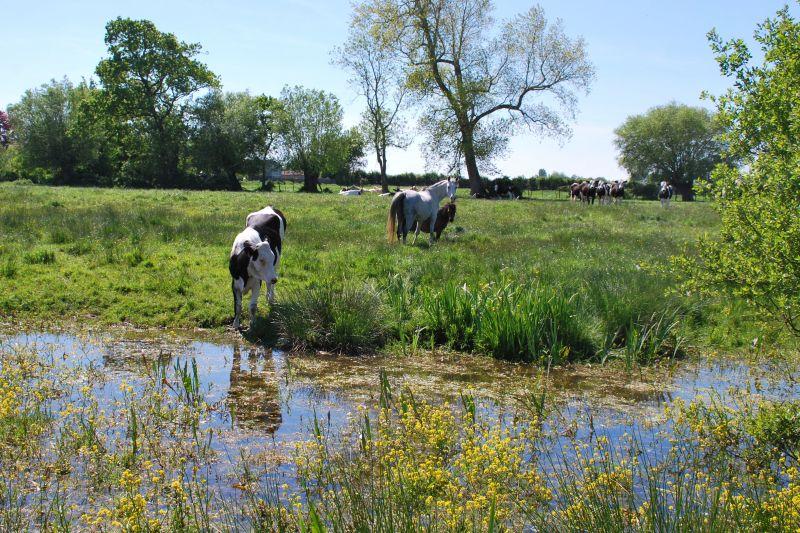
pixel 410 207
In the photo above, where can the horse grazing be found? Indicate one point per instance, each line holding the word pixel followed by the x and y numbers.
pixel 255 257
pixel 410 207
pixel 665 193
pixel 617 191
pixel 445 215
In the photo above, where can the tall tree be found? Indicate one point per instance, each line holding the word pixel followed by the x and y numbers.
pixel 675 143
pixel 480 81
pixel 149 77
pixel 5 129
pixel 312 136
pixel 52 134
pixel 756 256
pixel 377 76
pixel 233 133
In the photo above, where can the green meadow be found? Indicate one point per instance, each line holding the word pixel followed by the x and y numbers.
pixel 596 276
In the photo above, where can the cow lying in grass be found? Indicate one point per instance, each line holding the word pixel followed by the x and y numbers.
pixel 445 215
pixel 255 257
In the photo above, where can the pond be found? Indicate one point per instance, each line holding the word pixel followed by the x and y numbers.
pixel 261 393
pixel 265 399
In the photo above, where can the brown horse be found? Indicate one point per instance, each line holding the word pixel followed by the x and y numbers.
pixel 445 215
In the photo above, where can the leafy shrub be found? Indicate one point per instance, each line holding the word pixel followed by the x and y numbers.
pixel 348 319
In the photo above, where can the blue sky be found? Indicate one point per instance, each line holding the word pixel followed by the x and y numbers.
pixel 645 52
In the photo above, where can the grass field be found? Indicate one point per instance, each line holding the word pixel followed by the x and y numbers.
pixel 159 258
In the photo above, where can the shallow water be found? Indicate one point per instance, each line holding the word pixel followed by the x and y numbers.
pixel 262 395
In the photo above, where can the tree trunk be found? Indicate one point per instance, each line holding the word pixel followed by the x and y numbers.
pixel 384 181
pixel 686 191
pixel 233 182
pixel 310 182
pixel 468 147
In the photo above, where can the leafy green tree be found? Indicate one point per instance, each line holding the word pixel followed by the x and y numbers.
pixel 675 143
pixel 312 137
pixel 232 134
pixel 757 253
pixel 5 129
pixel 478 81
pixel 148 78
pixel 377 76
pixel 54 135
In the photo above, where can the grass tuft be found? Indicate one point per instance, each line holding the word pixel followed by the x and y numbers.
pixel 350 318
pixel 40 257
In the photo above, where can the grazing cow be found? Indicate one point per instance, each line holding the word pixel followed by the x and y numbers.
pixel 665 193
pixel 351 192
pixel 446 214
pixel 255 257
pixel 617 191
pixel 575 191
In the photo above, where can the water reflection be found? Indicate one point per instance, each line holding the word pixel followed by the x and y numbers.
pixel 253 397
pixel 263 393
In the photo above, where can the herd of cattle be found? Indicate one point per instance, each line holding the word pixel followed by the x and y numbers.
pixel 603 191
pixel 613 192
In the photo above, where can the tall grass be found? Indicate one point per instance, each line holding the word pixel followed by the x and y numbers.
pixel 518 322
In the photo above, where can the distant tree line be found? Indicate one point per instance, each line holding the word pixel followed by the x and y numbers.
pixel 157 117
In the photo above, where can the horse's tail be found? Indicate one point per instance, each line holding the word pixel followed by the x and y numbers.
pixel 397 216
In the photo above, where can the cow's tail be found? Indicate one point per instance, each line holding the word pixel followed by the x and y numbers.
pixel 397 216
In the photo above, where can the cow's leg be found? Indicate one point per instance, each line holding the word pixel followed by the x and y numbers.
pixel 254 300
pixel 237 286
pixel 271 293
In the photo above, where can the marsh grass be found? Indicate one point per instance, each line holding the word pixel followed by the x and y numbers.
pixel 653 338
pixel 40 257
pixel 514 321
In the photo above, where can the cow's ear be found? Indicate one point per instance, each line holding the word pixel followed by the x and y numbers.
pixel 249 250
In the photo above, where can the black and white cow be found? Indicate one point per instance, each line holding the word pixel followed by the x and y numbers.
pixel 665 193
pixel 255 257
